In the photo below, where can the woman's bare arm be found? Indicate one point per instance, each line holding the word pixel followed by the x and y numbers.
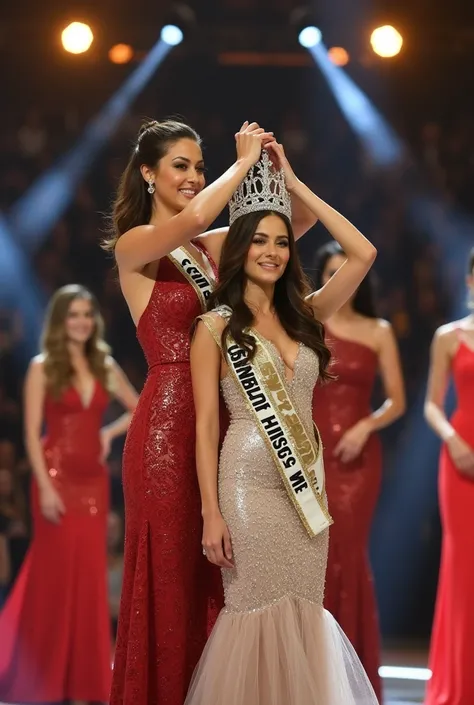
pixel 148 243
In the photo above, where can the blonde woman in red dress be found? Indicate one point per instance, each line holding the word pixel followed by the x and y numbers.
pixel 55 628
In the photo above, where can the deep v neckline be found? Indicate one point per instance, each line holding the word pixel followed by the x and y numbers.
pixel 280 357
pixel 86 404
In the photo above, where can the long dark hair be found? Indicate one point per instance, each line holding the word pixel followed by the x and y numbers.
pixel 133 203
pixel 364 299
pixel 294 314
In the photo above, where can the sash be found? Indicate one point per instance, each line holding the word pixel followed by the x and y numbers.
pixel 194 273
pixel 297 455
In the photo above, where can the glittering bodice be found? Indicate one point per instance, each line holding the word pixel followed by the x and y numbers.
pixel 305 376
pixel 274 555
pixel 164 328
pixel 338 405
pixel 72 449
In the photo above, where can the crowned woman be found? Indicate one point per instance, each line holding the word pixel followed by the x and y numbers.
pixel 264 502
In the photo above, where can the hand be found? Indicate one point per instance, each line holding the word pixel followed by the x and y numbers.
pixel 250 140
pixel 51 504
pixel 352 442
pixel 216 541
pixel 280 161
pixel 105 443
pixel 461 454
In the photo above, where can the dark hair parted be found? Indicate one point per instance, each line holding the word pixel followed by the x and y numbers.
pixel 364 299
pixel 294 314
pixel 133 203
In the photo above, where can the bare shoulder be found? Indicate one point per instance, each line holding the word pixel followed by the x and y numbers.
pixel 383 328
pixel 128 239
pixel 110 362
pixel 446 339
pixel 215 319
pixel 35 375
pixel 37 364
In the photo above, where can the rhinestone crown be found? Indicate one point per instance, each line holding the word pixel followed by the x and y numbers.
pixel 263 189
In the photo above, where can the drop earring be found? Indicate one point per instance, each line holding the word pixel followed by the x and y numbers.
pixel 151 187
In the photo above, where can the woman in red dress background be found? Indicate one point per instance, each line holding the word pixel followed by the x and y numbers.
pixel 363 346
pixel 55 626
pixel 452 652
pixel 170 595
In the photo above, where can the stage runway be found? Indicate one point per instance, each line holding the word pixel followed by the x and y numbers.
pixel 404 675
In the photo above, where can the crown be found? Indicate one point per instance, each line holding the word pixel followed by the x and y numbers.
pixel 263 189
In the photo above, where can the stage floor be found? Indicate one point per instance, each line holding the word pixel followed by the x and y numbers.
pixel 404 675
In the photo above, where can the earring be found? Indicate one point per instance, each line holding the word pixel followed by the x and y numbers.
pixel 151 187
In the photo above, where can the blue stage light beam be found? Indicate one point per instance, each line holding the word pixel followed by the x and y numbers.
pixel 379 140
pixel 35 213
pixel 19 287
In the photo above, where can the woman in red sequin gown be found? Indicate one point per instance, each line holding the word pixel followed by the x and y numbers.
pixel 362 346
pixel 171 595
pixel 55 627
pixel 452 650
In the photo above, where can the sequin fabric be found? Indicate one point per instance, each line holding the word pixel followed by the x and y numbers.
pixel 171 595
pixel 72 451
pixel 273 643
pixel 274 555
pixel 352 489
pixel 55 640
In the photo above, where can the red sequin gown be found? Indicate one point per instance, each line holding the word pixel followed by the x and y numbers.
pixel 352 489
pixel 167 596
pixel 452 647
pixel 55 629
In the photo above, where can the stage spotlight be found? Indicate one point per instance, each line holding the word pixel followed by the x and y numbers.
pixel 310 37
pixel 339 56
pixel 77 38
pixel 305 24
pixel 121 54
pixel 386 41
pixel 172 35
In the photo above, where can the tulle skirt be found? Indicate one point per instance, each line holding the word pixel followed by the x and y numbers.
pixel 290 653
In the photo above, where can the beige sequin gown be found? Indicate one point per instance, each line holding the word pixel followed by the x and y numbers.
pixel 273 644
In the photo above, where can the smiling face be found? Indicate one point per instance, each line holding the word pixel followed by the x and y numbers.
pixel 80 321
pixel 269 252
pixel 179 175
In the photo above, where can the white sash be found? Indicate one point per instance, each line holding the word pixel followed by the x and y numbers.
pixel 297 454
pixel 194 273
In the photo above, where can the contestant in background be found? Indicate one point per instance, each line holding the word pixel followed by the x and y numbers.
pixel 55 636
pixel 452 649
pixel 362 346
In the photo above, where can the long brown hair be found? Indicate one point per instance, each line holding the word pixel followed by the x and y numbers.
pixel 133 203
pixel 57 360
pixel 294 314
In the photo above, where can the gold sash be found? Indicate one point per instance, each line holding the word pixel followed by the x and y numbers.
pixel 194 273
pixel 297 455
